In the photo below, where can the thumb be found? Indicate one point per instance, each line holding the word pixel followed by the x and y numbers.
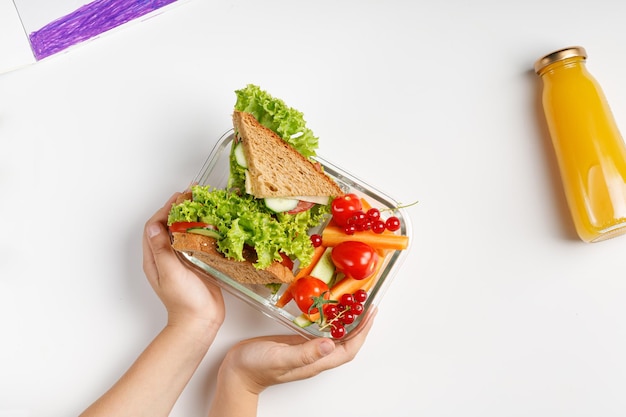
pixel 309 352
pixel 160 255
pixel 158 239
pixel 160 245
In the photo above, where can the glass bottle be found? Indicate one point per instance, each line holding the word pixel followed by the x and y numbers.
pixel 589 148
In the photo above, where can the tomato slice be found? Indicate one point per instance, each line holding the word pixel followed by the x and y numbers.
pixel 287 261
pixel 182 227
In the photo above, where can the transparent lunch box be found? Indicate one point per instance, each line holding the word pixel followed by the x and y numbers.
pixel 215 172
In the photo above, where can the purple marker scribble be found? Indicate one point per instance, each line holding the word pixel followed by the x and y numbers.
pixel 88 21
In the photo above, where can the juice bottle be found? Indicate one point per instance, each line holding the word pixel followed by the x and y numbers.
pixel 589 148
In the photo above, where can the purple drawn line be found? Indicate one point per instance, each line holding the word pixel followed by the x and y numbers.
pixel 88 21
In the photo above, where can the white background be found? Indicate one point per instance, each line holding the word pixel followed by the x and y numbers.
pixel 499 309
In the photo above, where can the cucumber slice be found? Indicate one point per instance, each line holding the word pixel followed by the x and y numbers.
pixel 279 204
pixel 324 269
pixel 302 321
pixel 204 231
pixel 239 156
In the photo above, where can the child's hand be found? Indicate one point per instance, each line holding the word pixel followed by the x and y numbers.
pixel 195 311
pixel 188 298
pixel 265 361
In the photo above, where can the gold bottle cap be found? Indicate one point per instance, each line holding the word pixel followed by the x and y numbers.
pixel 559 55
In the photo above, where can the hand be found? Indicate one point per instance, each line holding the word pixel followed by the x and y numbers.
pixel 265 361
pixel 188 298
pixel 255 364
pixel 195 310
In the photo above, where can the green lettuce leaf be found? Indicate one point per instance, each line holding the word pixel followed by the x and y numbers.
pixel 273 113
pixel 243 220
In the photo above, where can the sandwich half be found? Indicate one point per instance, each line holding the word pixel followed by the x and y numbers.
pixel 256 229
pixel 274 169
pixel 201 241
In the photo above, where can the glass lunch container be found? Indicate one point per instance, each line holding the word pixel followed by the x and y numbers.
pixel 215 172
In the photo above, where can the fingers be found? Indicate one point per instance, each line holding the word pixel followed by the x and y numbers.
pixel 344 352
pixel 297 356
pixel 156 241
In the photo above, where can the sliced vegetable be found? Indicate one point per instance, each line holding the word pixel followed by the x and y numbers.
pixel 302 206
pixel 205 232
pixel 324 269
pixel 240 157
pixel 287 262
pixel 181 227
pixel 333 235
pixel 279 204
pixel 199 228
pixel 302 321
pixel 318 252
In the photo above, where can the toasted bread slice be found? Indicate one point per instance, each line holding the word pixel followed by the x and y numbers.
pixel 204 248
pixel 275 168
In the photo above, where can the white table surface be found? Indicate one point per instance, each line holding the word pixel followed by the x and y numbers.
pixel 499 309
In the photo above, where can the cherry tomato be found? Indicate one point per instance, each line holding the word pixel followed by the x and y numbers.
pixel 306 289
pixel 355 259
pixel 342 208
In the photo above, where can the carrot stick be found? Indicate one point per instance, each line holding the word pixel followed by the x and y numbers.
pixel 317 254
pixel 287 296
pixel 332 236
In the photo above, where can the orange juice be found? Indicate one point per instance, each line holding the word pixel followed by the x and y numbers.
pixel 589 148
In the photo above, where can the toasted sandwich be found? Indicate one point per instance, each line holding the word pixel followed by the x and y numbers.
pixel 257 228
pixel 275 169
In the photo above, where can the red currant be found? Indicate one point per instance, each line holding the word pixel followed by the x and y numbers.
pixel 316 240
pixel 360 296
pixel 350 229
pixel 366 224
pixel 357 309
pixel 348 317
pixel 392 223
pixel 337 330
pixel 331 311
pixel 347 300
pixel 378 226
pixel 356 217
pixel 373 213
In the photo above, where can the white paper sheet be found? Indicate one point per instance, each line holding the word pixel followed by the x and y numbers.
pixel 15 50
pixel 31 30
